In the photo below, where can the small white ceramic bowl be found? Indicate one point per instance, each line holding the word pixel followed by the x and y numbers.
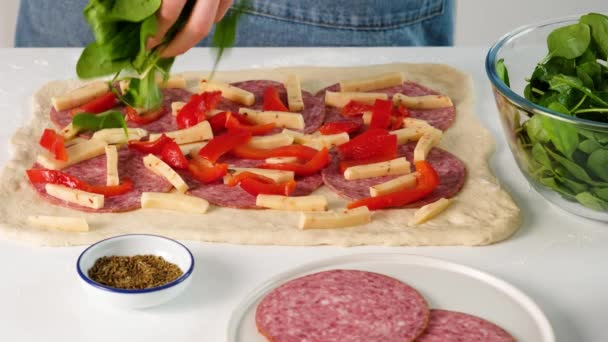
pixel 130 245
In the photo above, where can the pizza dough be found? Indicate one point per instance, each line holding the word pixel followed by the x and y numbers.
pixel 482 213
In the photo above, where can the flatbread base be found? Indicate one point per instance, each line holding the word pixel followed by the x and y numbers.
pixel 483 213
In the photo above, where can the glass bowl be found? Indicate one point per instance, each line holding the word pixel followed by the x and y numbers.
pixel 537 136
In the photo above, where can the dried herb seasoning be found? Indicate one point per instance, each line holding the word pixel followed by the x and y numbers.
pixel 134 272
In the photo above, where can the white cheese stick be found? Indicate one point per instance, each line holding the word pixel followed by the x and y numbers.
pixel 318 140
pixel 398 166
pixel 114 136
pixel 422 102
pixel 372 83
pixel 69 224
pixel 69 131
pixel 229 92
pixel 411 122
pixel 300 203
pixel 200 131
pixel 400 183
pixel 160 168
pixel 408 134
pixel 74 141
pixel 195 146
pixel 294 93
pixel 340 99
pixel 76 153
pixel 172 82
pixel 429 139
pixel 83 198
pixel 280 119
pixel 80 96
pixel 328 220
pixel 279 176
pixel 430 210
pixel 112 165
pixel 281 160
pixel 174 202
pixel 270 141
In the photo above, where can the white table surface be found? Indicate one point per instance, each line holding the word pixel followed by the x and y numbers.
pixel 558 259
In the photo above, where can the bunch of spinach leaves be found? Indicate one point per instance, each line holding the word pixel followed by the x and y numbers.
pixel 572 79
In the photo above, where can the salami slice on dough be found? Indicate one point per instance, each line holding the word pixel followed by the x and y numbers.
pixel 451 171
pixel 452 326
pixel 93 171
pixel 342 306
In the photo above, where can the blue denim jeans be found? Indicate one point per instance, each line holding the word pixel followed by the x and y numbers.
pixel 56 23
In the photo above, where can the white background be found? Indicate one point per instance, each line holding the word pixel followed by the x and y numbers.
pixel 478 22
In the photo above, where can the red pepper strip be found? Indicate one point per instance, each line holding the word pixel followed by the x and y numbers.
pixel 381 114
pixel 256 184
pixel 272 101
pixel 100 104
pixel 173 155
pixel 54 143
pixel 318 162
pixel 428 180
pixel 222 144
pixel 145 118
pixel 345 164
pixel 354 108
pixel 205 171
pixel 373 143
pixel 236 179
pixel 195 110
pixel 233 123
pixel 218 122
pixel 399 114
pixel 299 151
pixel 154 147
pixel 340 127
pixel 61 178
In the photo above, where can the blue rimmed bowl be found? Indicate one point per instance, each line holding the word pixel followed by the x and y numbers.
pixel 130 245
pixel 570 183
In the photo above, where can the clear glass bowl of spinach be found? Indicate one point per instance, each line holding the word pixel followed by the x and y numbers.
pixel 550 83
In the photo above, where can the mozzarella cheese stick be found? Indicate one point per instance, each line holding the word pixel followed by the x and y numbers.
pixel 430 210
pixel 160 168
pixel 77 140
pixel 270 141
pixel 112 166
pixel 174 202
pixel 229 92
pixel 429 139
pixel 279 176
pixel 195 146
pixel 200 131
pixel 340 99
pixel 176 106
pixel 411 122
pixel 294 93
pixel 69 224
pixel 300 203
pixel 318 140
pixel 328 220
pixel 422 102
pixel 76 153
pixel 76 196
pixel 281 160
pixel 280 119
pixel 400 183
pixel 114 136
pixel 80 96
pixel 69 131
pixel 372 83
pixel 408 134
pixel 398 166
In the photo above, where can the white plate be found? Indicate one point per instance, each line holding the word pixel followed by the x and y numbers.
pixel 444 284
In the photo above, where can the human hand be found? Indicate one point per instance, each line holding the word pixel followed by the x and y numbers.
pixel 204 14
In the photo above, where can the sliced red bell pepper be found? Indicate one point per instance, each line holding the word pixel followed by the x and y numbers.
pixel 236 179
pixel 318 162
pixel 345 164
pixel 272 101
pixel 381 114
pixel 218 122
pixel 340 127
pixel 54 143
pixel 399 114
pixel 205 171
pixel 194 111
pixel 154 147
pixel 373 143
pixel 62 178
pixel 144 118
pixel 100 104
pixel 427 181
pixel 173 155
pixel 256 184
pixel 233 123
pixel 354 108
pixel 299 151
pixel 223 144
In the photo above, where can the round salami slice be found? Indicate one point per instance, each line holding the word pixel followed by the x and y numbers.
pixel 342 306
pixel 451 170
pixel 93 171
pixel 440 118
pixel 451 326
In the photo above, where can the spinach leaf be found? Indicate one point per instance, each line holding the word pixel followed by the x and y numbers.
pixel 598 164
pixel 591 201
pixel 576 171
pixel 601 193
pixel 95 122
pixel 588 146
pixel 599 30
pixel 535 130
pixel 563 135
pixel 540 155
pixel 562 83
pixel 569 41
pixel 502 72
pixel 558 107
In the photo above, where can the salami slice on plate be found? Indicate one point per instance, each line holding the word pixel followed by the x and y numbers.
pixel 452 326
pixel 342 306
